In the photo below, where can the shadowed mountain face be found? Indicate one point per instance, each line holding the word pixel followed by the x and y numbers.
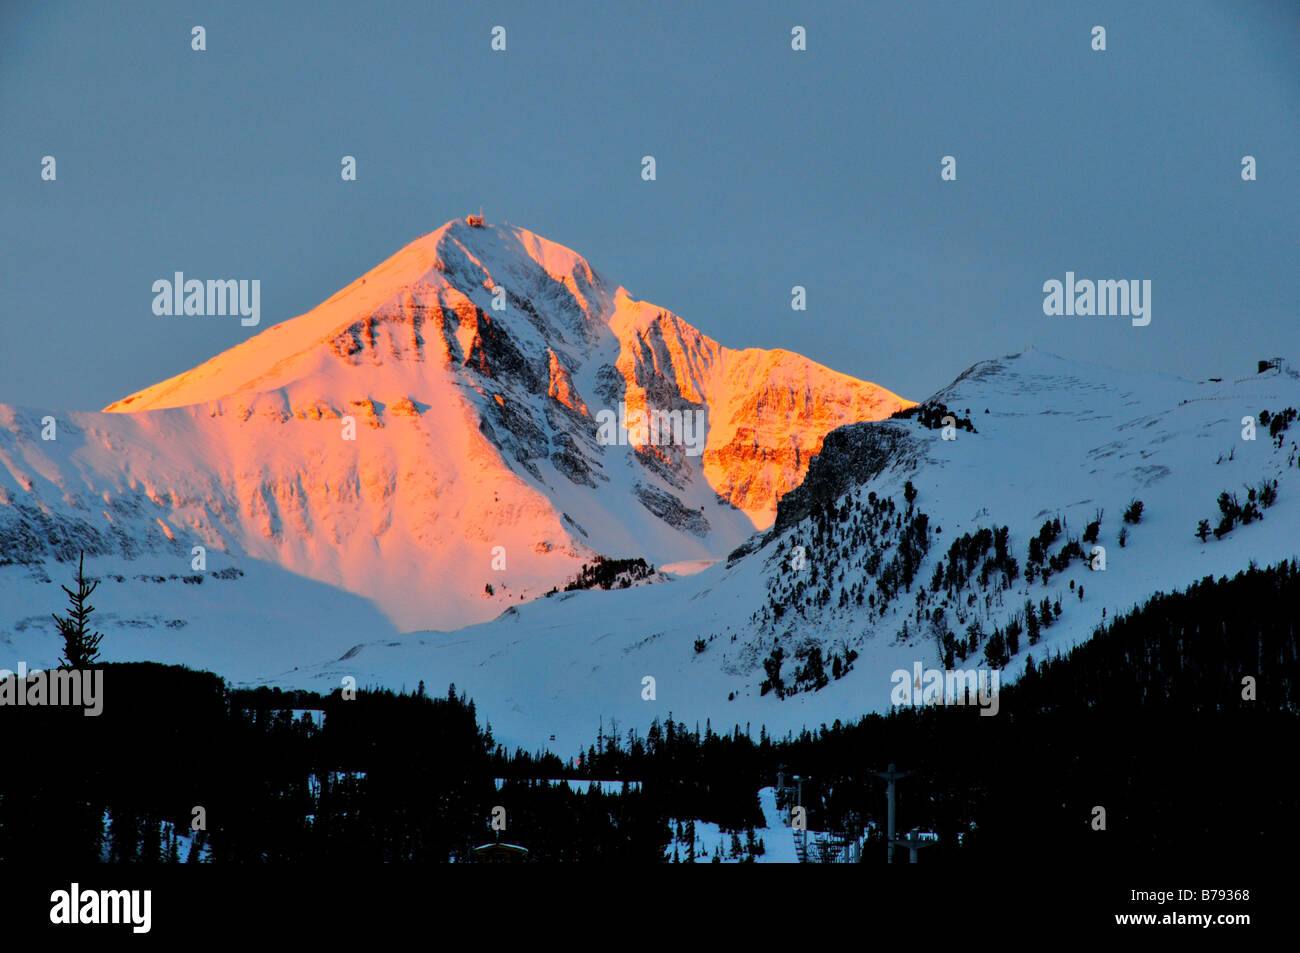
pixel 910 542
pixel 455 432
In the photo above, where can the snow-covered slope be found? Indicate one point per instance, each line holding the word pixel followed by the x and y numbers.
pixel 1059 441
pixel 236 620
pixel 472 369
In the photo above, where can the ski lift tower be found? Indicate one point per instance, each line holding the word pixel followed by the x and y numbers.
pixel 890 776
pixel 913 842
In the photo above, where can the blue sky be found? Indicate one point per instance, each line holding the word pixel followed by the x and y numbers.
pixel 775 168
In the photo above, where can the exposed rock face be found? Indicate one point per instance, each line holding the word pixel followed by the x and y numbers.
pixel 444 407
pixel 849 456
pixel 777 431
pixel 767 410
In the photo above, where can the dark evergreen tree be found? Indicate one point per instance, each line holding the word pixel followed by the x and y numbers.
pixel 80 646
pixel 995 651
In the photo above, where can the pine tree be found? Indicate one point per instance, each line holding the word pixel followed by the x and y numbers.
pixel 1031 624
pixel 196 848
pixel 995 651
pixel 151 842
pixel 124 837
pixel 80 647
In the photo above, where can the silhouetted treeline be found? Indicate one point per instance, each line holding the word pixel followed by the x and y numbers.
pixel 606 573
pixel 1148 720
pixel 932 414
pixel 1177 720
pixel 388 777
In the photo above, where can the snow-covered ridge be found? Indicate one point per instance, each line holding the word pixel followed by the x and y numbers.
pixel 1060 441
pixel 475 479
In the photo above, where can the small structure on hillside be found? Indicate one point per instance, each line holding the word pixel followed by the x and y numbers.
pixel 475 221
pixel 914 841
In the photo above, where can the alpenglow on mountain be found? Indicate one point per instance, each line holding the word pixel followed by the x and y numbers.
pixel 903 547
pixel 476 365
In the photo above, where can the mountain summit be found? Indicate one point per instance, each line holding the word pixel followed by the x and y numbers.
pixel 451 434
pixel 525 335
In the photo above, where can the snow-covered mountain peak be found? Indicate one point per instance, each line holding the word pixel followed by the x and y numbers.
pixel 482 391
pixel 452 275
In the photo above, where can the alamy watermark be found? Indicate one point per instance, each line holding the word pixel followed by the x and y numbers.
pixel 74 906
pixel 1085 297
pixel 655 427
pixel 80 687
pixel 934 686
pixel 215 297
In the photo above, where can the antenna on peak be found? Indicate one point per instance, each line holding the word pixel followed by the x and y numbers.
pixel 475 221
